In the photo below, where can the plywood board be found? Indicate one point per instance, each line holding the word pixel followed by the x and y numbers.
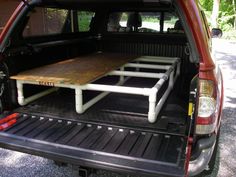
pixel 77 71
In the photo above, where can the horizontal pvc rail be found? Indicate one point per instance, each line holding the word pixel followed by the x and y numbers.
pixel 137 74
pixel 80 107
pixel 147 66
pixel 165 60
pixel 117 89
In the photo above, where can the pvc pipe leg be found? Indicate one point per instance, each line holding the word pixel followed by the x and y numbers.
pixel 122 78
pixel 20 93
pixel 79 101
pixel 152 117
pixel 152 106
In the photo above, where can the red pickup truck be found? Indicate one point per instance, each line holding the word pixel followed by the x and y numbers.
pixel 123 85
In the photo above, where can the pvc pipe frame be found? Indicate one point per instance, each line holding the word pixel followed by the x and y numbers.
pixel 173 64
pixel 24 101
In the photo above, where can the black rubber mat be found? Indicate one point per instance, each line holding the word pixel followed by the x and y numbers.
pixel 116 145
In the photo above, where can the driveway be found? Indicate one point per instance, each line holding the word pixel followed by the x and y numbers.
pixel 23 165
pixel 226 58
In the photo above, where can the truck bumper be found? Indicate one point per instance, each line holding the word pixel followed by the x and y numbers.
pixel 204 151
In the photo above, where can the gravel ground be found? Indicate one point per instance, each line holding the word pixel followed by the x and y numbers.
pixel 15 164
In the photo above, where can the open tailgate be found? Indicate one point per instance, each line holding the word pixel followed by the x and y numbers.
pixel 97 145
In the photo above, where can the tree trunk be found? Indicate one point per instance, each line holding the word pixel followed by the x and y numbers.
pixel 215 13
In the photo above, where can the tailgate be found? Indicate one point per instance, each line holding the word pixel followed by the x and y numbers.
pixel 121 149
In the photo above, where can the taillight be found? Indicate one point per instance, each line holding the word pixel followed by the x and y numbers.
pixel 206 120
pixel 206 107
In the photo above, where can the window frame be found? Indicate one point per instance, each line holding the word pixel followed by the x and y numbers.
pixel 206 26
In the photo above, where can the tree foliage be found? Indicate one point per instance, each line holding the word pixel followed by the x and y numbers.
pixel 227 14
pixel 207 4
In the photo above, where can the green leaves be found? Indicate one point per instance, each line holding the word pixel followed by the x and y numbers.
pixel 226 17
pixel 207 4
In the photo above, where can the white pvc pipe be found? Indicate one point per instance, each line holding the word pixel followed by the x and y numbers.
pixel 117 89
pixel 20 93
pixel 159 84
pixel 136 74
pixel 137 69
pixel 101 96
pixel 80 108
pixel 79 101
pixel 24 101
pixel 159 57
pixel 153 113
pixel 153 116
pixel 178 71
pixel 147 66
pixel 171 80
pixel 152 105
pixel 122 78
pixel 94 100
pixel 167 60
pixel 39 95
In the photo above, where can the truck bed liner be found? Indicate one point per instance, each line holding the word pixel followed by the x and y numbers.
pixel 97 145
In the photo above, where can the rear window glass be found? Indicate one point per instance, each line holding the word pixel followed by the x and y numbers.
pixel 169 21
pixel 134 22
pixel 45 21
pixel 172 23
pixel 84 20
pixel 49 21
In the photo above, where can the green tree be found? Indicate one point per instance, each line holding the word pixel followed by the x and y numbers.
pixel 234 5
pixel 207 4
pixel 227 15
pixel 222 14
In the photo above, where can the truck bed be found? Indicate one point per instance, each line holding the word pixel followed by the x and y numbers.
pixel 114 109
pixel 109 135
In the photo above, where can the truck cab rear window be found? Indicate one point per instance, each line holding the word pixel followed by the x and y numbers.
pixel 170 21
pixel 134 22
pixel 49 21
pixel 144 22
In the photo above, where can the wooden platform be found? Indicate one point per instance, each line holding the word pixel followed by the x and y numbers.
pixel 77 71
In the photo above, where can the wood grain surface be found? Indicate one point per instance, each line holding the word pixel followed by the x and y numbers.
pixel 76 71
